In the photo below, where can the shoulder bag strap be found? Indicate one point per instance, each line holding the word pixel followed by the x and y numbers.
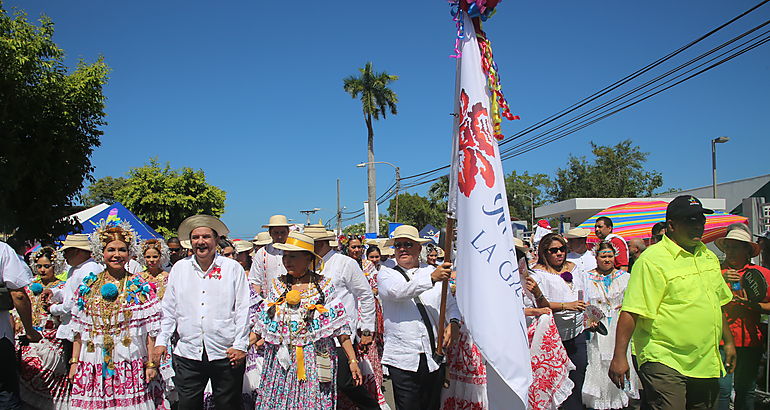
pixel 423 312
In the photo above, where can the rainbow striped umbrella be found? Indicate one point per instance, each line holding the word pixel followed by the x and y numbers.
pixel 635 220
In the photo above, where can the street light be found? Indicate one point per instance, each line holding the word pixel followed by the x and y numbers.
pixel 310 212
pixel 714 142
pixel 398 179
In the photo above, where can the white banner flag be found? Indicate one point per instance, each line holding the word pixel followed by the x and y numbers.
pixel 489 289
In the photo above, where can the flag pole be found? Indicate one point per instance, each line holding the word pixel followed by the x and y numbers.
pixel 448 244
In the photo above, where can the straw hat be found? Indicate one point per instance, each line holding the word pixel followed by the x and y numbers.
pixel 387 251
pixel 520 245
pixel 277 220
pixel 243 246
pixel 319 233
pixel 741 236
pixel 408 232
pixel 77 241
pixel 197 221
pixel 298 242
pixel 576 233
pixel 262 238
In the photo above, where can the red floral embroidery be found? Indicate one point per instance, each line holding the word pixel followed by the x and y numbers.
pixel 215 273
pixel 476 146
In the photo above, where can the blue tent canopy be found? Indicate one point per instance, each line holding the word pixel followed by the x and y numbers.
pixel 118 213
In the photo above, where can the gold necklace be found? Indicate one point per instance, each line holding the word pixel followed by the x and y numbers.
pixel 38 309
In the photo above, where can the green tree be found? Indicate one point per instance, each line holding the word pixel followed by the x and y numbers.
pixel 376 100
pixel 615 172
pixel 50 119
pixel 163 197
pixel 355 229
pixel 103 191
pixel 417 211
pixel 522 190
pixel 438 193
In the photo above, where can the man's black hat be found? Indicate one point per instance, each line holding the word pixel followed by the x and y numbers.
pixel 685 206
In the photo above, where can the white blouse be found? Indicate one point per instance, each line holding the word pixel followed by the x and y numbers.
pixel 557 290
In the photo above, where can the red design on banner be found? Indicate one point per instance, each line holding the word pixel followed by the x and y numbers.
pixel 476 146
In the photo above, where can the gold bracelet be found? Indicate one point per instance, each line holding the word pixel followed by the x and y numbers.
pixel 74 361
pixel 351 361
pixel 151 365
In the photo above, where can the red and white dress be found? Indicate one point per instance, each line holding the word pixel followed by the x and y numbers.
pixel 43 379
pixel 110 373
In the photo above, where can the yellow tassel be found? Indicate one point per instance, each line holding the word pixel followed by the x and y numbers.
pixel 300 353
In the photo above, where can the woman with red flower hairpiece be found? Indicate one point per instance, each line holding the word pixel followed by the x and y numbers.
pixel 563 284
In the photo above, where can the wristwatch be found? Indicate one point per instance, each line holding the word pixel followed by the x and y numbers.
pixel 455 321
pixel 366 333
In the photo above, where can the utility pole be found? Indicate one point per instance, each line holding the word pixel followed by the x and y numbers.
pixel 398 188
pixel 339 211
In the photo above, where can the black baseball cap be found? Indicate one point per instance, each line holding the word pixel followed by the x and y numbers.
pixel 685 206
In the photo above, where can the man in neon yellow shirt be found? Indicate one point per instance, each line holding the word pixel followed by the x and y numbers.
pixel 673 308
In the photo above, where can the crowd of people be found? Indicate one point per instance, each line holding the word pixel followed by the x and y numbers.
pixel 297 319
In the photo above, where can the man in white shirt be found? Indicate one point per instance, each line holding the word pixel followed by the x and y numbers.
pixel 579 254
pixel 14 275
pixel 77 252
pixel 268 261
pixel 409 343
pixel 207 304
pixel 353 289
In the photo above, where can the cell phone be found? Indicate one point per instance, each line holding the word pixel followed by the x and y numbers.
pixel 580 295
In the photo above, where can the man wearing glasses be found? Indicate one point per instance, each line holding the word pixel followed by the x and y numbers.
pixel 673 309
pixel 411 298
pixel 176 252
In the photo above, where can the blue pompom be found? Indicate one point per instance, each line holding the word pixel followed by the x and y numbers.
pixel 110 291
pixel 36 288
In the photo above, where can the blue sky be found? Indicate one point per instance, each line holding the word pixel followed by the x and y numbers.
pixel 251 92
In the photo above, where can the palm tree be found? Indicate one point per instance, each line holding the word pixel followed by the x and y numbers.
pixel 376 100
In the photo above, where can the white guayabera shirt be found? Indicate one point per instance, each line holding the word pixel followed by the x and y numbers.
pixel 406 336
pixel 352 288
pixel 208 309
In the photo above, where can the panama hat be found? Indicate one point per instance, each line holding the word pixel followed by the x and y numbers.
pixel 243 246
pixel 408 232
pixel 197 221
pixel 262 238
pixel 576 233
pixel 185 243
pixel 277 220
pixel 299 242
pixel 77 241
pixel 319 233
pixel 741 236
pixel 520 245
pixel 387 251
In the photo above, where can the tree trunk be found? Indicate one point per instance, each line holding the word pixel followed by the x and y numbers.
pixel 371 178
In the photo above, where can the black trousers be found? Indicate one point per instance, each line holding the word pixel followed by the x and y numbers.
pixel 345 384
pixel 191 378
pixel 9 377
pixel 420 390
pixel 578 354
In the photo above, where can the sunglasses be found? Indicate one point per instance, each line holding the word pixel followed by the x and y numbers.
pixel 405 245
pixel 553 251
pixel 44 266
pixel 175 250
